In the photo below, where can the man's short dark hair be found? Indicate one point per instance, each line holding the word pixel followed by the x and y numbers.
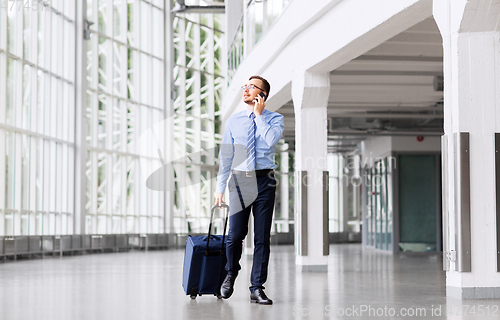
pixel 267 86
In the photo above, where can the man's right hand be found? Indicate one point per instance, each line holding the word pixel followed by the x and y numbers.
pixel 218 198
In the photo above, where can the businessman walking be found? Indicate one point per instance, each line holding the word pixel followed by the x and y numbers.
pixel 247 152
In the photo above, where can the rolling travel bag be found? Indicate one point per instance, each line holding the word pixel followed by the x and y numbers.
pixel 205 261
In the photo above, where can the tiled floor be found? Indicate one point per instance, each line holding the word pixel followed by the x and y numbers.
pixel 360 284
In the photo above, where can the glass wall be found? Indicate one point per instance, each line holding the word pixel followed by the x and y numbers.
pixel 379 204
pixel 344 189
pixel 199 83
pixel 409 186
pixel 125 97
pixel 37 116
pixel 283 217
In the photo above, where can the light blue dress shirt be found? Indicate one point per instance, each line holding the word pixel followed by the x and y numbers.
pixel 268 131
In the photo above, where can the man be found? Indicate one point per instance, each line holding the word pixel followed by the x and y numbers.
pixel 248 148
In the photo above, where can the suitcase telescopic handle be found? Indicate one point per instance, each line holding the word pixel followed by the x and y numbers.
pixel 223 205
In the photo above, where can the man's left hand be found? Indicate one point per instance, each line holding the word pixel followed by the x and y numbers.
pixel 258 106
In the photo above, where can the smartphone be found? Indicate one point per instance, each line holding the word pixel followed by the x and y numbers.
pixel 262 95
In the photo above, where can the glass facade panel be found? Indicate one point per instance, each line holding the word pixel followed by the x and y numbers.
pixel 378 217
pixel 416 198
pixel 11 31
pixel 25 119
pixel 25 172
pixel 27 34
pixel 145 27
pixel 117 185
pixel 101 182
pixel 11 96
pixel 10 168
pixel 197 74
pixel 158 30
pixel 103 17
pixel 43 19
pixel 125 96
pixel 129 85
pixel 37 133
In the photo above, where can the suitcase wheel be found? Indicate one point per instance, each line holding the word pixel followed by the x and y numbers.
pixel 219 296
pixel 193 293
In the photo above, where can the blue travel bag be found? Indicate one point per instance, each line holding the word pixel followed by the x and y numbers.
pixel 205 261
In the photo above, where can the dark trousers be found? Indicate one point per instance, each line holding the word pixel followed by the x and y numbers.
pixel 262 208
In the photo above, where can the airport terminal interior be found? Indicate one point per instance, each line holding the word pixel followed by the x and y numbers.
pixel 112 114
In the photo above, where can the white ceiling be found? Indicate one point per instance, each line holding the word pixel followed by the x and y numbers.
pixel 386 91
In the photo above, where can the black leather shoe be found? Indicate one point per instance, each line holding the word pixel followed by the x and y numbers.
pixel 258 296
pixel 227 287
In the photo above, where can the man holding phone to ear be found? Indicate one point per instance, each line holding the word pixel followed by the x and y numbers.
pixel 247 152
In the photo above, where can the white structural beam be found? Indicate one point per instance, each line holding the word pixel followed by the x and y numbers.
pixel 321 38
pixel 169 117
pixel 80 121
pixel 471 39
pixel 3 97
pixel 310 93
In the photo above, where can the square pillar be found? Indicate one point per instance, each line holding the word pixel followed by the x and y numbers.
pixel 471 43
pixel 310 93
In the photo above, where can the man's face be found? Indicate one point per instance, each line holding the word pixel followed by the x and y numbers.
pixel 249 95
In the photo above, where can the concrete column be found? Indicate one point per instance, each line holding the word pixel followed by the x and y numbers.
pixel 310 93
pixel 471 40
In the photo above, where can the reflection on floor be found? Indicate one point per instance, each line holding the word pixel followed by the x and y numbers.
pixel 360 284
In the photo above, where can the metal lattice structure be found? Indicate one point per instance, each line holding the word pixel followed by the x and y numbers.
pixel 72 154
pixel 125 97
pixel 199 81
pixel 36 117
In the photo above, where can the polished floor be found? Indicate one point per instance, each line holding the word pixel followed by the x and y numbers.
pixel 360 284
